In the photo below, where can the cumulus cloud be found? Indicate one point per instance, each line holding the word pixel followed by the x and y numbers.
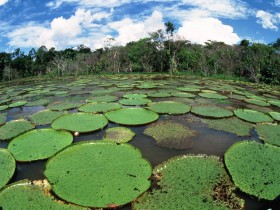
pixel 2 2
pixel 268 20
pixel 200 30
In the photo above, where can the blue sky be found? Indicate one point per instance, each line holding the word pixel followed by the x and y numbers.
pixel 68 23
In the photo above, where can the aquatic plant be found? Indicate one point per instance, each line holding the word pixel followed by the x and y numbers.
pixel 169 107
pixel 269 133
pixel 252 116
pixel 99 107
pixel 7 167
pixel 211 111
pixel 45 117
pixel 118 135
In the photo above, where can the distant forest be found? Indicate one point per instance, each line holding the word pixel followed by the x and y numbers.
pixel 162 51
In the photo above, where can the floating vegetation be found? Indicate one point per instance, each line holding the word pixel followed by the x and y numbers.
pixel 211 111
pixel 212 95
pixel 3 107
pixel 257 102
pixel 275 115
pixel 104 91
pixel 159 95
pixel 254 168
pixel 3 118
pixel 99 107
pixel 231 125
pixel 84 167
pixel 39 144
pixel 237 97
pixel 45 117
pixel 80 122
pixel 64 105
pixel 275 102
pixel 169 107
pixel 135 102
pixel 269 133
pixel 171 134
pixel 7 167
pixel 14 128
pixel 183 95
pixel 132 116
pixel 119 135
pixel 32 195
pixel 135 96
pixel 40 102
pixel 17 104
pixel 190 182
pixel 252 116
pixel 188 89
pixel 105 98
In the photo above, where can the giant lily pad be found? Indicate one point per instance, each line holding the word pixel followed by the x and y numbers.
pixel 159 95
pixel 3 107
pixel 64 105
pixel 135 96
pixel 17 104
pixel 269 133
pixel 3 118
pixel 31 195
pixel 40 102
pixel 275 115
pixel 190 182
pixel 14 128
pixel 39 144
pixel 211 111
pixel 132 116
pixel 135 102
pixel 80 122
pixel 99 107
pixel 169 107
pixel 254 168
pixel 183 95
pixel 45 117
pixel 252 116
pixel 84 168
pixel 257 102
pixel 105 98
pixel 171 134
pixel 119 135
pixel 7 167
pixel 212 95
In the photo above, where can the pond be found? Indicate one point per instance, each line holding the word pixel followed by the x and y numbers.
pixel 169 117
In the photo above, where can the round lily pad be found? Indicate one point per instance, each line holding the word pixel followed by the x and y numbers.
pixel 135 96
pixel 169 107
pixel 252 168
pixel 159 95
pixel 119 135
pixel 257 102
pixel 3 107
pixel 188 89
pixel 64 105
pixel 171 134
pixel 84 168
pixel 252 115
pixel 80 122
pixel 7 167
pixel 45 117
pixel 39 144
pixel 99 107
pixel 17 104
pixel 3 118
pixel 275 103
pixel 232 125
pixel 41 102
pixel 32 195
pixel 105 98
pixel 269 133
pixel 14 128
pixel 183 95
pixel 212 95
pixel 135 102
pixel 211 111
pixel 190 182
pixel 275 115
pixel 132 116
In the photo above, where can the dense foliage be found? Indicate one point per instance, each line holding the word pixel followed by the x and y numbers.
pixel 162 51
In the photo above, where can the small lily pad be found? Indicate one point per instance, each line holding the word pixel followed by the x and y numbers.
pixel 7 167
pixel 99 107
pixel 275 115
pixel 84 168
pixel 14 128
pixel 252 167
pixel 252 116
pixel 169 107
pixel 211 111
pixel 39 144
pixel 119 135
pixel 269 133
pixel 45 117
pixel 80 122
pixel 135 102
pixel 17 104
pixel 132 116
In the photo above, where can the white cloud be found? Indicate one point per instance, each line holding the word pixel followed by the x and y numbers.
pixel 200 30
pixel 268 20
pixel 277 3
pixel 2 2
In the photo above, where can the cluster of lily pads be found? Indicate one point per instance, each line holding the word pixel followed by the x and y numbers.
pixel 109 173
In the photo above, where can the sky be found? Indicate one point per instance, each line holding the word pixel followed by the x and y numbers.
pixel 69 23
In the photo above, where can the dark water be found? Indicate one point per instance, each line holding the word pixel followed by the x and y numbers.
pixel 208 141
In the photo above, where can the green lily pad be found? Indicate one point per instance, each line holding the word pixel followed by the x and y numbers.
pixel 32 195
pixel 3 118
pixel 105 98
pixel 159 95
pixel 188 89
pixel 231 125
pixel 41 102
pixel 171 134
pixel 183 95
pixel 252 115
pixel 103 91
pixel 17 104
pixel 84 168
pixel 169 107
pixel 212 95
pixel 269 133
pixel 275 103
pixel 80 122
pixel 99 107
pixel 132 116
pixel 45 117
pixel 135 102
pixel 254 168
pixel 14 128
pixel 275 115
pixel 257 102
pixel 39 144
pixel 64 105
pixel 135 96
pixel 190 182
pixel 7 167
pixel 3 107
pixel 119 135
pixel 211 111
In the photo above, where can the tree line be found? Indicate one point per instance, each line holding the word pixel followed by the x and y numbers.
pixel 161 51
